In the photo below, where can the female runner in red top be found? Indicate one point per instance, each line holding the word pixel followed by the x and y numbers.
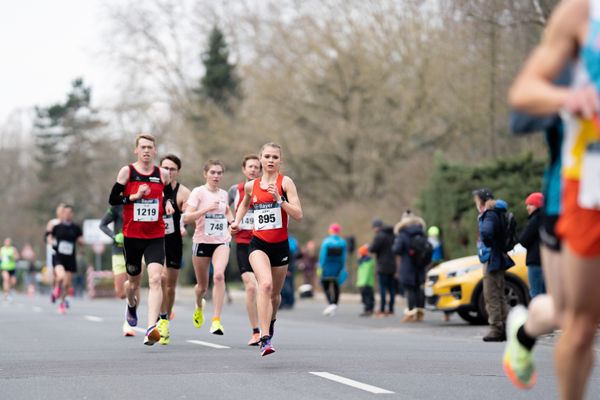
pixel 273 197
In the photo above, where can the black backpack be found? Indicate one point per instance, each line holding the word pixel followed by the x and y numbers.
pixel 420 250
pixel 509 231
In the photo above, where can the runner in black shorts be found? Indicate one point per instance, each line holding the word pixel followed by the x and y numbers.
pixel 66 235
pixel 274 199
pixel 174 232
pixel 139 188
pixel 251 170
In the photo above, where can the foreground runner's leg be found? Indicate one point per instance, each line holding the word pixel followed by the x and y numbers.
pixel 251 288
pixel 219 260
pixel 154 302
pixel 574 354
pixel 201 270
pixel 262 269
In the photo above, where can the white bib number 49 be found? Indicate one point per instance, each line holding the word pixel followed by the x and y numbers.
pixel 145 210
pixel 248 221
pixel 215 224
pixel 268 217
pixel 169 224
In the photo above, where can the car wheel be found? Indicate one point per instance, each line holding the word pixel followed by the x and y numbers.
pixel 513 295
pixel 473 317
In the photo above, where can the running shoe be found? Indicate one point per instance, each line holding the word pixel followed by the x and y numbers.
pixel 216 328
pixel 518 360
pixel 163 329
pixel 127 330
pixel 152 336
pixel 266 347
pixel 254 340
pixel 55 294
pixel 199 315
pixel 131 314
pixel 61 308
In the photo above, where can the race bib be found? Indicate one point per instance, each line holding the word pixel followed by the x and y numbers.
pixel 145 210
pixel 267 216
pixel 247 223
pixel 215 224
pixel 589 185
pixel 169 224
pixel 66 248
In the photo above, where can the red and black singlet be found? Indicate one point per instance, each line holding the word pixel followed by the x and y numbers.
pixel 270 219
pixel 143 218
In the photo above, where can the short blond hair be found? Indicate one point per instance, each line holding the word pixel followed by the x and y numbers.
pixel 146 136
pixel 273 145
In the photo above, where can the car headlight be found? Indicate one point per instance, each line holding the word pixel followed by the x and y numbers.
pixel 464 271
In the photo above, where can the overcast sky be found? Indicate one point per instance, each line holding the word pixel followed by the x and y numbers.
pixel 44 45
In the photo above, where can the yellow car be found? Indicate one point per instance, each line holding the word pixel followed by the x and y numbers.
pixel 457 285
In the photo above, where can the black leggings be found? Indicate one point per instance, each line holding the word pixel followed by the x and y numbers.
pixel 387 284
pixel 415 296
pixel 330 285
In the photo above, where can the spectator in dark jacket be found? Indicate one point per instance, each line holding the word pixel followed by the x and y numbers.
pixel 386 264
pixel 530 239
pixel 412 277
pixel 492 236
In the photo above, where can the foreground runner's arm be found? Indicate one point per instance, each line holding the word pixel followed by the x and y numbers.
pixel 107 219
pixel 182 197
pixel 292 205
pixel 116 194
pixel 533 90
pixel 242 208
pixel 192 214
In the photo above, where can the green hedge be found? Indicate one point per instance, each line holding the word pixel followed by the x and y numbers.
pixel 447 201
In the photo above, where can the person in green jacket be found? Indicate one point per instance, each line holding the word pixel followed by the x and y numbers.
pixel 366 280
pixel 8 259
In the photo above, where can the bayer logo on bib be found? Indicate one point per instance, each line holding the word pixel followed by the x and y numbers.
pixel 267 216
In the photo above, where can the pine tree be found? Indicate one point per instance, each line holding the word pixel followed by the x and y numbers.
pixel 220 83
pixel 65 134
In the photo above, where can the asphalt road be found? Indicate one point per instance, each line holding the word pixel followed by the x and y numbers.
pixel 82 355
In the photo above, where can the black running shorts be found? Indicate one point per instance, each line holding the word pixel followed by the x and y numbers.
pixel 278 253
pixel 68 262
pixel 153 251
pixel 205 249
pixel 547 233
pixel 241 252
pixel 173 251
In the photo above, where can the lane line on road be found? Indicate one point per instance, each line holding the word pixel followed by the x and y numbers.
pixel 37 309
pixel 353 383
pixel 93 318
pixel 207 344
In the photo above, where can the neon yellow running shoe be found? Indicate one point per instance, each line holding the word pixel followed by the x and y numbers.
pixel 199 315
pixel 163 329
pixel 518 360
pixel 216 328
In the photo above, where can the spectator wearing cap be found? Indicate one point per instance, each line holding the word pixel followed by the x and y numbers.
pixel 530 239
pixel 381 246
pixel 332 259
pixel 495 261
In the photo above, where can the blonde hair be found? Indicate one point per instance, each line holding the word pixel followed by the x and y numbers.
pixel 146 136
pixel 271 144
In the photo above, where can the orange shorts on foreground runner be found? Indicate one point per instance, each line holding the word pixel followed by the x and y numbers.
pixel 578 227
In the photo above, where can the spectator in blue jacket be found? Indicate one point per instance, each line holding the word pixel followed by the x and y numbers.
pixel 332 259
pixel 494 259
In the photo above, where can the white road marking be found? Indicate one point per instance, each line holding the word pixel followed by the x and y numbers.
pixel 350 382
pixel 207 344
pixel 93 318
pixel 37 309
